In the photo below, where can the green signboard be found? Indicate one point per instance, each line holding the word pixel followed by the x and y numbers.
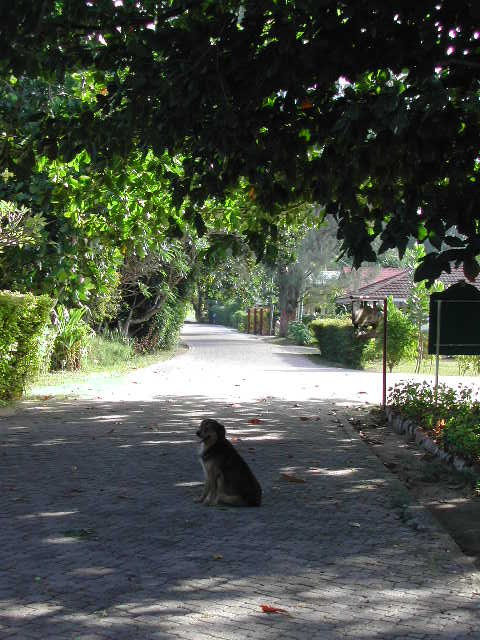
pixel 459 325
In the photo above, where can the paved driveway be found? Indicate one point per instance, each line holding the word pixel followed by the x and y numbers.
pixel 101 539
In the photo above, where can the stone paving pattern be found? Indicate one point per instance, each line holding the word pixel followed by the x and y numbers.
pixel 101 538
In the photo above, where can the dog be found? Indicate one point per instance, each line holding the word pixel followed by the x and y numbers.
pixel 228 478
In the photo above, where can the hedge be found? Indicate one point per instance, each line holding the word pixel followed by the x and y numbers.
pixel 23 320
pixel 337 341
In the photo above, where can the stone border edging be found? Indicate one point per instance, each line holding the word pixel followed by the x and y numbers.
pixel 403 426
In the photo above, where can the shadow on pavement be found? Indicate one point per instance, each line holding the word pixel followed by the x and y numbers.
pixel 101 537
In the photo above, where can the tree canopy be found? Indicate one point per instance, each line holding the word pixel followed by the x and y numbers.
pixel 368 107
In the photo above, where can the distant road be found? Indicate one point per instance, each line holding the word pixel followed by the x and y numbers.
pixel 222 363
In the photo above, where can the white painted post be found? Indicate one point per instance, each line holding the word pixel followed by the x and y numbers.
pixel 437 350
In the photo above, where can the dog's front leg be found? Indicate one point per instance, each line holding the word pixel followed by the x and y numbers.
pixel 204 493
pixel 212 494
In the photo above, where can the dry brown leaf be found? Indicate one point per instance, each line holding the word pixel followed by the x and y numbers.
pixel 291 478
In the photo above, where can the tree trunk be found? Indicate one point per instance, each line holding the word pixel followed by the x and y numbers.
pixel 289 283
pixel 198 306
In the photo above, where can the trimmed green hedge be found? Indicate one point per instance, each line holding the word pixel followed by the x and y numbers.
pixel 337 341
pixel 23 319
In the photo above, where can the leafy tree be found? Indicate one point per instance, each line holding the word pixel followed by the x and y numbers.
pixel 17 226
pixel 418 303
pixel 369 107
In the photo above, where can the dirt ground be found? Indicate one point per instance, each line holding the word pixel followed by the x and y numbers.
pixel 437 486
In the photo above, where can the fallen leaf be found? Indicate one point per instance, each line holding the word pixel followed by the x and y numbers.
pixel 362 392
pixel 354 524
pixel 255 421
pixel 217 556
pixel 304 418
pixel 46 397
pixel 266 608
pixel 251 449
pixel 291 478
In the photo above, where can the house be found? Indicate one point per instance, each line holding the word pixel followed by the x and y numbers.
pixel 397 285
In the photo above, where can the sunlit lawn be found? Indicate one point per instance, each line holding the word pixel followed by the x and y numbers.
pixel 447 367
pixel 105 362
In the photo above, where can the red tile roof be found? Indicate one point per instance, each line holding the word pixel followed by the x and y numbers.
pixel 398 286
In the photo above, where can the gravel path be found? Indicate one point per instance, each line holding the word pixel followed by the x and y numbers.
pixel 101 538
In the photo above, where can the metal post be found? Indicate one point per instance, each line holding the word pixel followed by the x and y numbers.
pixel 384 389
pixel 437 348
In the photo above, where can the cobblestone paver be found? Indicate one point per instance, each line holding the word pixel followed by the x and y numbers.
pixel 101 538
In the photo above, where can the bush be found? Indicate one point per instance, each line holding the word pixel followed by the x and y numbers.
pixel 452 419
pixel 164 328
pixel 23 319
pixel 224 314
pixel 300 333
pixel 401 336
pixel 71 342
pixel 337 341
pixel 240 319
pixel 109 351
pixel 468 365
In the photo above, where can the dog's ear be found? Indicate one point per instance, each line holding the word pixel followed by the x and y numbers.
pixel 221 433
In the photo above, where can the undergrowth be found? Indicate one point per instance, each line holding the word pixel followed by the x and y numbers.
pixel 451 417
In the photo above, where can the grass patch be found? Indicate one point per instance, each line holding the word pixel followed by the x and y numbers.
pixel 106 361
pixel 447 367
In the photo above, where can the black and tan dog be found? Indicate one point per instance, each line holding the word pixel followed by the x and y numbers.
pixel 228 478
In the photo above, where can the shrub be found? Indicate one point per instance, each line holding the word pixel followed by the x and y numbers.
pixel 337 341
pixel 224 314
pixel 300 333
pixel 452 419
pixel 23 319
pixel 401 335
pixel 164 328
pixel 240 318
pixel 109 351
pixel 468 365
pixel 71 341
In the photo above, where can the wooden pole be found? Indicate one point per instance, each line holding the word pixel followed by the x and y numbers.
pixel 384 391
pixel 261 321
pixel 255 320
pixel 248 320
